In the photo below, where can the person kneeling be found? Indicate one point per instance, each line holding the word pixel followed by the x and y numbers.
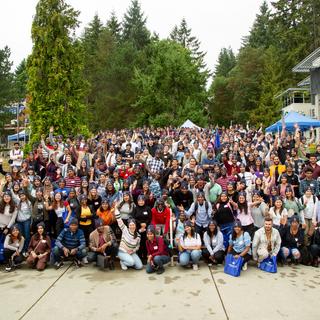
pixel 213 240
pixel 39 249
pixel 239 244
pixel 102 241
pixel 157 252
pixel 266 242
pixel 189 246
pixel 70 244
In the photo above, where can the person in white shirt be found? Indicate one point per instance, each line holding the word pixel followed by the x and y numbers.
pixel 16 156
pixel 189 246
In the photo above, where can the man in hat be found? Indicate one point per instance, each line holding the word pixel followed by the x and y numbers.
pixel 157 252
pixel 70 243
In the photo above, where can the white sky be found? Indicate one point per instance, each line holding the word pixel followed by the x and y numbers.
pixel 216 23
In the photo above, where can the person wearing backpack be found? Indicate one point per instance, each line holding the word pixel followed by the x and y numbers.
pixel 202 212
pixel 16 156
pixel 157 252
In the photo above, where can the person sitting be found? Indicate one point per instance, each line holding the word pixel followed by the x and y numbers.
pixel 13 246
pixel 239 244
pixel 213 240
pixel 39 248
pixel 102 241
pixel 292 237
pixel 129 244
pixel 266 241
pixel 157 252
pixel 189 246
pixel 70 243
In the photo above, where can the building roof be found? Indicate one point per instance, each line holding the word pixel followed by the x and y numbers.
pixel 308 63
pixel 305 82
pixel 290 90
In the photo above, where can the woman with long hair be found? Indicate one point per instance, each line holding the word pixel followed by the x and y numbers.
pixel 39 248
pixel 244 214
pixel 189 246
pixel 61 208
pixel 293 205
pixel 239 244
pixel 213 241
pixel 224 216
pixel 83 171
pixel 8 213
pixel 86 217
pixel 13 246
pixel 129 244
pixel 142 215
pixel 106 214
pixel 94 199
pixel 126 207
pixel 278 213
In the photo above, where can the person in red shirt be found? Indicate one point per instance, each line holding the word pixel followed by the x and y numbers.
pixel 157 252
pixel 160 217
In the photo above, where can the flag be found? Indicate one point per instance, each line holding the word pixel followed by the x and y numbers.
pixel 217 143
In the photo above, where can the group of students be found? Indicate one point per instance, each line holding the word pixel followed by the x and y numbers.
pixel 140 195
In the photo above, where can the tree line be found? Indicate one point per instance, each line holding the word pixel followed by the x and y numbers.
pixel 119 74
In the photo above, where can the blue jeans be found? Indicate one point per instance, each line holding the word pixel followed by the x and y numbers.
pixel 226 230
pixel 25 230
pixel 186 256
pixel 130 260
pixel 158 261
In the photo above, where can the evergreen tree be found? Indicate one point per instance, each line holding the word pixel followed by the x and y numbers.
pixel 171 88
pixel 182 34
pixel 91 35
pixel 134 26
pixel 55 70
pixel 6 88
pixel 269 107
pixel 261 33
pixel 114 26
pixel 6 77
pixel 226 62
pixel 20 80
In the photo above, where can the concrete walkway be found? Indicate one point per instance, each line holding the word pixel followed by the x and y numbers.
pixel 179 294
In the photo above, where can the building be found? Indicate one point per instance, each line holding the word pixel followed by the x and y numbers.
pixel 311 65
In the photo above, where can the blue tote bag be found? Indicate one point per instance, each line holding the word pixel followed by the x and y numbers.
pixel 232 266
pixel 269 265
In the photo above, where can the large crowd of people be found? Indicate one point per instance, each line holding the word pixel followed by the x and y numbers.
pixel 144 195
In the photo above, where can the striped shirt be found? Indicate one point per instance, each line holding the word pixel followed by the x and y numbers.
pixel 128 243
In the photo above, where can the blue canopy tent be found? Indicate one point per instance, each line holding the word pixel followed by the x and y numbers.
pixel 290 119
pixel 22 136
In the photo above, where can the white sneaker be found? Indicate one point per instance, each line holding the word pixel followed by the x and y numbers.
pixel 85 260
pixel 123 266
pixel 209 265
pixel 195 267
pixel 244 267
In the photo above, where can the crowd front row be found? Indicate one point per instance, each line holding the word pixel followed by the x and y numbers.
pixel 211 243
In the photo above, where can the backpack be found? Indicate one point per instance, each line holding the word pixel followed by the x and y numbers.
pixel 196 206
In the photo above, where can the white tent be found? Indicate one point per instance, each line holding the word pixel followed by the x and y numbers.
pixel 189 124
pixel 22 135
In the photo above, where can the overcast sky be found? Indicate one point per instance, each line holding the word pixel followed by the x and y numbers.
pixel 216 23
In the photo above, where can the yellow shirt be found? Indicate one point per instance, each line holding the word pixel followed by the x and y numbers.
pixel 85 213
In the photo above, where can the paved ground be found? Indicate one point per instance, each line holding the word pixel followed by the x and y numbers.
pixel 69 293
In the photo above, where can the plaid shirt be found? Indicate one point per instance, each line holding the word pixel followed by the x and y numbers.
pixel 155 165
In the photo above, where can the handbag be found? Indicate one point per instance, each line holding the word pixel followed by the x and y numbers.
pixel 2 248
pixel 269 265
pixel 232 265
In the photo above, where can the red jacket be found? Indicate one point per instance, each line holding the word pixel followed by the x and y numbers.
pixel 156 247
pixel 161 218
